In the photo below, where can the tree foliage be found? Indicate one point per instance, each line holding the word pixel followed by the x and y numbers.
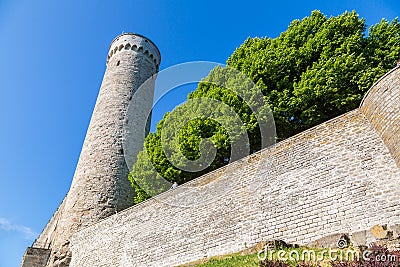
pixel 316 70
pixel 319 67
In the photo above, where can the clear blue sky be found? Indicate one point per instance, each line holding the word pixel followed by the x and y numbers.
pixel 52 62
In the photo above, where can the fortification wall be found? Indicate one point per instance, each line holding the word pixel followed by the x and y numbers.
pixel 39 253
pixel 47 235
pixel 381 106
pixel 35 257
pixel 338 177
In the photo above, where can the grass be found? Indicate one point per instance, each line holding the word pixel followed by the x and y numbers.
pixel 251 260
pixel 232 260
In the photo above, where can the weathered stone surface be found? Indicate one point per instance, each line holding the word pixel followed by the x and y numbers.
pixel 359 238
pixel 379 231
pixel 330 241
pixel 100 186
pixel 395 230
pixel 47 235
pixel 35 257
pixel 338 177
pixel 381 106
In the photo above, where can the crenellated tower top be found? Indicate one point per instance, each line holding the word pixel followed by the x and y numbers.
pixel 135 42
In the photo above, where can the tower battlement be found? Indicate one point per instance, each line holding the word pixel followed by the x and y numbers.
pixel 137 43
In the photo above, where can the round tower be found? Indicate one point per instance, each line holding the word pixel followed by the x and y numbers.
pixel 100 186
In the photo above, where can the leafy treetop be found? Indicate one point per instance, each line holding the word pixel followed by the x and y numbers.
pixel 316 70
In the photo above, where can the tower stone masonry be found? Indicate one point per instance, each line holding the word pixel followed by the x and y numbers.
pixel 100 186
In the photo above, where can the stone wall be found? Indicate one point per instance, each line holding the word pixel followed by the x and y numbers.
pixel 47 235
pixel 338 177
pixel 35 257
pixel 381 105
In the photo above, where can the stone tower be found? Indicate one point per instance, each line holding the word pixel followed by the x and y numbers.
pixel 100 186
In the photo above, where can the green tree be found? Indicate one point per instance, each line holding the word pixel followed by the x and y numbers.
pixel 218 118
pixel 316 70
pixel 319 67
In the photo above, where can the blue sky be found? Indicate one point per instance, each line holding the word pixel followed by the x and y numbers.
pixel 52 62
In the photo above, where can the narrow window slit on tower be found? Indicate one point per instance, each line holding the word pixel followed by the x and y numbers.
pixel 118 63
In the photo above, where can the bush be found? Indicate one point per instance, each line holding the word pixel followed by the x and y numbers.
pixel 379 256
